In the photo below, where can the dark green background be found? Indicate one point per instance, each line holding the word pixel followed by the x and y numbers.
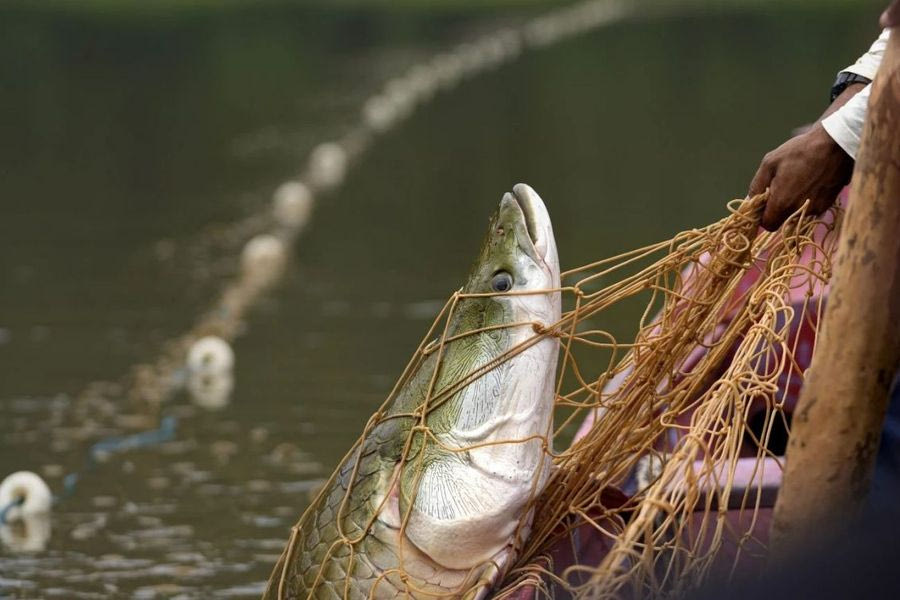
pixel 129 138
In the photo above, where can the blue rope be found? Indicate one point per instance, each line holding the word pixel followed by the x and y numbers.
pixel 113 445
pixel 164 433
pixel 9 507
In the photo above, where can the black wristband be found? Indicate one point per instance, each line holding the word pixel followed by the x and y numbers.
pixel 844 80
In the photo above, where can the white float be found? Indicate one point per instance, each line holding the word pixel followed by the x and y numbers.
pixel 292 204
pixel 511 42
pixel 30 533
pixel 471 57
pixel 263 259
pixel 492 51
pixel 210 355
pixel 448 70
pixel 24 493
pixel 422 80
pixel 401 96
pixel 543 31
pixel 327 165
pixel 211 391
pixel 378 113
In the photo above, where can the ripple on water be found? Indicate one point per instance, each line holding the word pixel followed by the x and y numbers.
pixel 253 590
pixel 205 508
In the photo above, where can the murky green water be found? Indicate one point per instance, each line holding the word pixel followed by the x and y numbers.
pixel 128 146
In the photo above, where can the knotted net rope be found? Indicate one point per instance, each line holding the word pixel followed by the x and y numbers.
pixel 678 417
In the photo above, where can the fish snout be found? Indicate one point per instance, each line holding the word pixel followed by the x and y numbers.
pixel 540 230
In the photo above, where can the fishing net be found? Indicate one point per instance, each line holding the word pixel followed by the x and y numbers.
pixel 666 449
pixel 691 418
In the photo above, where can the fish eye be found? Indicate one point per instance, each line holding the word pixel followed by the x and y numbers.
pixel 501 282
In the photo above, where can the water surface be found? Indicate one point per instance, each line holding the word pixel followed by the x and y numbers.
pixel 131 145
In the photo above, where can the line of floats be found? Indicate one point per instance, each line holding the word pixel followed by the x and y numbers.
pixel 201 361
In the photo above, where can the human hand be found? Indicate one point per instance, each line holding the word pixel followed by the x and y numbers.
pixel 808 166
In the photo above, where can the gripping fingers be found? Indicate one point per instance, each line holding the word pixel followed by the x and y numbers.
pixel 776 210
pixel 763 178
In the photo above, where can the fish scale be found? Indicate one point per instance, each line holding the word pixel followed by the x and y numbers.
pixel 463 508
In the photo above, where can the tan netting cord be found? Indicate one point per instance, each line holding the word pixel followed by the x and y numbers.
pixel 678 524
pixel 712 350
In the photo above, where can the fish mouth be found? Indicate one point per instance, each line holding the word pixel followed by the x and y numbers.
pixel 536 217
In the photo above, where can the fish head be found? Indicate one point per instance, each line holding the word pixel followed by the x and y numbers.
pixel 518 262
pixel 490 459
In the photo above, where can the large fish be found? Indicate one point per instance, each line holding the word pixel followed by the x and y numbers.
pixel 435 498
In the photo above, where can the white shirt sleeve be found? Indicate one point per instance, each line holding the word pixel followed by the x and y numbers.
pixel 868 63
pixel 846 124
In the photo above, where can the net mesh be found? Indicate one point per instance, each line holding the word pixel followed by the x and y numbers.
pixel 680 433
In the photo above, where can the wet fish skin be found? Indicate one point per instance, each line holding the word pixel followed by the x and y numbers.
pixel 445 521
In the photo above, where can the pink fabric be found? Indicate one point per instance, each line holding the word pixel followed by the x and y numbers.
pixel 580 543
pixel 800 292
pixel 763 478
